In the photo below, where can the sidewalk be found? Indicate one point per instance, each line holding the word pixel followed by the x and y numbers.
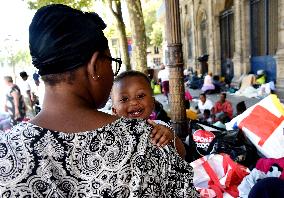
pixel 213 97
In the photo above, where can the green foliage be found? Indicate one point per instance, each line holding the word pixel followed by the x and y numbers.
pixel 111 31
pixel 21 56
pixel 77 4
pixel 149 12
pixel 156 36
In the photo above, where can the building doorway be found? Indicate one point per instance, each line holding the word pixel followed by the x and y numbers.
pixel 264 36
pixel 227 42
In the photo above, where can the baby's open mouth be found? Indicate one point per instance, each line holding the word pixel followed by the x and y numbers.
pixel 136 113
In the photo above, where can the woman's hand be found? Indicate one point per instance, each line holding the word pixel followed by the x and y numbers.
pixel 161 135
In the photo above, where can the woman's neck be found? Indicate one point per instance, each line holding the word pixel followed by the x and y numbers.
pixel 64 99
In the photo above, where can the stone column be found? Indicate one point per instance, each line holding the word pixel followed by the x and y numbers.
pixel 211 39
pixel 245 34
pixel 194 36
pixel 280 50
pixel 175 64
pixel 238 39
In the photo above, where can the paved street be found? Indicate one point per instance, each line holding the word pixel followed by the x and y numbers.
pixel 213 97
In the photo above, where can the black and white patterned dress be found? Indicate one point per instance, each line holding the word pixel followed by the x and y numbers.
pixel 116 160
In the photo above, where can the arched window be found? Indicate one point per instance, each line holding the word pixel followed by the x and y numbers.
pixel 264 27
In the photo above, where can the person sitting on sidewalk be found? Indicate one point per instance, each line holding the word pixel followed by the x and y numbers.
pixel 208 85
pixel 223 108
pixel 206 117
pixel 204 103
pixel 241 107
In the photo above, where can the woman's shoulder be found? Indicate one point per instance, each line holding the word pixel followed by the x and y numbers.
pixel 137 126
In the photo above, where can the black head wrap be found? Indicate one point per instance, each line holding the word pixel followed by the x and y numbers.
pixel 62 38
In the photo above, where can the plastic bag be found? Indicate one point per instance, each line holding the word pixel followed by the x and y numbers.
pixel 157 89
pixel 263 125
pixel 216 140
pixel 217 175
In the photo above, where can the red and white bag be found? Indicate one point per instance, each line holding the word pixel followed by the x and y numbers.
pixel 263 124
pixel 217 175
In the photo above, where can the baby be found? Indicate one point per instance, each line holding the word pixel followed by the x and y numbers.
pixel 132 97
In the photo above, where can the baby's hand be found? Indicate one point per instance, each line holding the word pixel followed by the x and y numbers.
pixel 161 135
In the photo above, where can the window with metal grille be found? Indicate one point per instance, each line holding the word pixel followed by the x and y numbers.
pixel 157 61
pixel 156 50
pixel 227 34
pixel 264 27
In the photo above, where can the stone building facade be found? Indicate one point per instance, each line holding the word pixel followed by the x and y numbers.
pixel 246 35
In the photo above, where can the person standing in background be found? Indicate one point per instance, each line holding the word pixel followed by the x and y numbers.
pixel 27 94
pixel 14 103
pixel 163 77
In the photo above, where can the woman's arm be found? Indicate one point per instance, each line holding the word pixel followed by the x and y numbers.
pixel 16 97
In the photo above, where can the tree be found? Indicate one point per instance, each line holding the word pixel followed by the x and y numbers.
pixel 156 36
pixel 138 34
pixel 115 8
pixel 152 27
pixel 14 58
pixel 79 4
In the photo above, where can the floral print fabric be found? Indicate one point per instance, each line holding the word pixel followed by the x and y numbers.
pixel 116 160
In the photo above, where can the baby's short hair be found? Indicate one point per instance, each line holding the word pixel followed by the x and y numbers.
pixel 131 73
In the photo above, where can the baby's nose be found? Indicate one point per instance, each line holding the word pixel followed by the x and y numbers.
pixel 133 102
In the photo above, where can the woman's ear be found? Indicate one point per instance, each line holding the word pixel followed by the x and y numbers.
pixel 92 66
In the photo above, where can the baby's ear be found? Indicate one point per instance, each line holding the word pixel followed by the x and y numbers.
pixel 113 111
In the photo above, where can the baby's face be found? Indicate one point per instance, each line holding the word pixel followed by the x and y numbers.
pixel 132 98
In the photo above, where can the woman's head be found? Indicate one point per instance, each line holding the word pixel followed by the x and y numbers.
pixel 132 95
pixel 62 38
pixel 67 45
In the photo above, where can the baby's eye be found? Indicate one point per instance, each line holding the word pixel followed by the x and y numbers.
pixel 140 96
pixel 123 99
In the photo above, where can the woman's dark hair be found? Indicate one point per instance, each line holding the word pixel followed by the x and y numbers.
pixel 62 39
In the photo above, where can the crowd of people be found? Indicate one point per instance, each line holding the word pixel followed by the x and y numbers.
pixel 71 149
pixel 21 100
